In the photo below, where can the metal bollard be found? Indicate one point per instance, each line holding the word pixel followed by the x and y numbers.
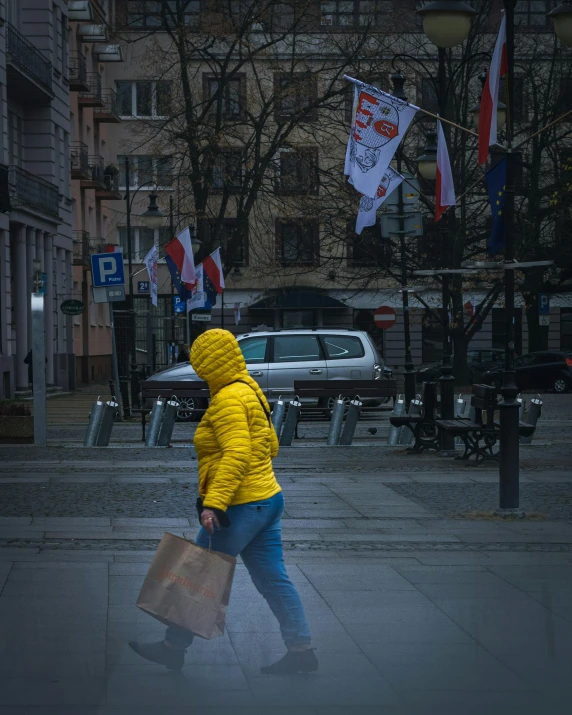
pixel 155 423
pixel 336 422
pixel 459 412
pixel 352 419
pixel 290 423
pixel 398 411
pixel 534 412
pixel 278 415
pixel 107 422
pixel 94 421
pixel 168 423
pixel 415 408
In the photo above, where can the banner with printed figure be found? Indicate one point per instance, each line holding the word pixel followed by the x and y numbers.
pixel 151 263
pixel 380 124
pixel 368 207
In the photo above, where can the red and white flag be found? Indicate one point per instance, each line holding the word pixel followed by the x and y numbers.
pixel 180 251
pixel 444 188
pixel 490 96
pixel 213 268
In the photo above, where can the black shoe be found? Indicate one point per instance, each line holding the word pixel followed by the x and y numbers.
pixel 160 653
pixel 295 661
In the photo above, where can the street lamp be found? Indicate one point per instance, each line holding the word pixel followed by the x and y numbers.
pixel 427 162
pixel 562 16
pixel 153 218
pixel 447 23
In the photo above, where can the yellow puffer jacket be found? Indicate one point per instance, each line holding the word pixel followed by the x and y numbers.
pixel 234 441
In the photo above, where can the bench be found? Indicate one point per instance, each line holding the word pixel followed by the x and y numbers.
pixel 321 390
pixel 472 432
pixel 423 427
pixel 182 390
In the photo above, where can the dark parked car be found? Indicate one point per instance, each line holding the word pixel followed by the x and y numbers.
pixel 479 362
pixel 543 370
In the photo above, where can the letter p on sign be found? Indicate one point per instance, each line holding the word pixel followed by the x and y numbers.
pixel 107 267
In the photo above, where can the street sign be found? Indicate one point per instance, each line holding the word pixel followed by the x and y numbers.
pixel 413 224
pixel 107 269
pixel 72 307
pixel 179 306
pixel 108 294
pixel 410 189
pixel 201 317
pixel 544 320
pixel 384 317
pixel 543 304
pixel 143 286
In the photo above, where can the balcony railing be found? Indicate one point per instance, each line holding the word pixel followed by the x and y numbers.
pixel 97 171
pixel 33 192
pixel 84 246
pixel 110 189
pixel 92 96
pixel 107 111
pixel 5 205
pixel 28 58
pixel 78 72
pixel 79 161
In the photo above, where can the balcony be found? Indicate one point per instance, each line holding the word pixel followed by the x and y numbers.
pixel 33 193
pixel 107 111
pixel 78 72
pixel 110 191
pixel 4 189
pixel 96 178
pixel 29 73
pixel 79 161
pixel 84 246
pixel 92 95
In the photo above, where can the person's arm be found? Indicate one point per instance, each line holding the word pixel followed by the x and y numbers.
pixel 230 425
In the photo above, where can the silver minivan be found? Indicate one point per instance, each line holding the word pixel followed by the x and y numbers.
pixel 276 359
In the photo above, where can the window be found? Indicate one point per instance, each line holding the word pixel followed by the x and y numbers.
pixel 146 171
pixel 297 348
pixel 254 349
pixel 297 242
pixel 498 333
pixel 294 95
pixel 566 328
pixel 525 361
pixel 228 94
pixel 429 98
pixel 369 248
pixel 339 347
pixel 151 14
pixel 532 12
pixel 227 240
pixel 144 98
pixel 348 13
pixel 227 170
pixel 297 171
pixel 142 240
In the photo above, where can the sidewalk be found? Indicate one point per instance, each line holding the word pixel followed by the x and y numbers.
pixel 417 607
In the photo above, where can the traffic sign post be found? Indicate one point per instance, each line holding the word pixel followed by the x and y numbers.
pixel 107 270
pixel 384 317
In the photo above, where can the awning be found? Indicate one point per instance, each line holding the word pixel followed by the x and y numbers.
pixel 295 300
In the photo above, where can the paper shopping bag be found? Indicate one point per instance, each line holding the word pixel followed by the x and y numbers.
pixel 188 586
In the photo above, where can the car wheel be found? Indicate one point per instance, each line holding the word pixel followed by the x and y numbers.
pixel 190 409
pixel 560 385
pixel 329 402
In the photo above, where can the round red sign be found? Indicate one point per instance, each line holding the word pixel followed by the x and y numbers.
pixel 384 317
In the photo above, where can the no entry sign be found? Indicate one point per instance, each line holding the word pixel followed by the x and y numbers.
pixel 384 317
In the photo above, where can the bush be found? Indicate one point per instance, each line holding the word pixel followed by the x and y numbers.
pixel 15 410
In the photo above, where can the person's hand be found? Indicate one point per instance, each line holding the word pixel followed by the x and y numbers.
pixel 209 521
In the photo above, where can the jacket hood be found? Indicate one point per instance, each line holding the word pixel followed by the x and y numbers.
pixel 217 359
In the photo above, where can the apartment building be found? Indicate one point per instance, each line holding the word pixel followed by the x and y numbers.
pixel 36 205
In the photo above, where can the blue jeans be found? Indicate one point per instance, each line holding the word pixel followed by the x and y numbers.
pixel 255 534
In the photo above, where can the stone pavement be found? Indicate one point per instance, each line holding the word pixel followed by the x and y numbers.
pixel 420 601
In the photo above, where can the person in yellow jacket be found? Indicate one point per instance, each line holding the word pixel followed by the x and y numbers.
pixel 240 502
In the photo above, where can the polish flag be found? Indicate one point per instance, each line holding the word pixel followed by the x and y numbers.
pixel 180 250
pixel 490 96
pixel 213 268
pixel 444 188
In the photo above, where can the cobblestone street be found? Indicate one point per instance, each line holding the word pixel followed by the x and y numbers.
pixel 420 600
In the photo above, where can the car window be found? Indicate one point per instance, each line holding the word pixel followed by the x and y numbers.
pixel 473 356
pixel 254 349
pixel 545 358
pixel 342 346
pixel 296 348
pixel 524 361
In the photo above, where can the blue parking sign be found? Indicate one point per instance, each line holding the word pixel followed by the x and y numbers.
pixel 107 269
pixel 179 305
pixel 543 304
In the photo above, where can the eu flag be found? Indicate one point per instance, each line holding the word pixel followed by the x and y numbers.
pixel 180 287
pixel 496 185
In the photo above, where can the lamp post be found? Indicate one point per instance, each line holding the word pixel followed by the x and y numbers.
pixel 398 81
pixel 152 218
